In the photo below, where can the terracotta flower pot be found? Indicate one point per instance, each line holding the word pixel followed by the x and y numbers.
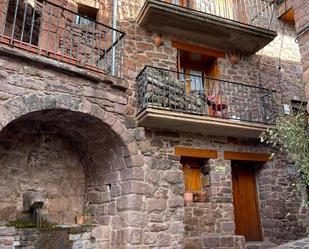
pixel 80 219
pixel 188 197
pixel 157 40
pixel 234 58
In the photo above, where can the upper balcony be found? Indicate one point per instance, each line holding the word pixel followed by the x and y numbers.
pixel 191 103
pixel 40 27
pixel 229 25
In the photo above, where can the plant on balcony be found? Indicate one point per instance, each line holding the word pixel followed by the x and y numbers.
pixel 291 135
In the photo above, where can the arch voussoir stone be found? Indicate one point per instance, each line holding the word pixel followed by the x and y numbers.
pixel 15 108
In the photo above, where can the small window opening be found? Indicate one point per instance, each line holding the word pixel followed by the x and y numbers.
pixel 86 15
pixel 298 106
pixel 192 168
pixel 195 67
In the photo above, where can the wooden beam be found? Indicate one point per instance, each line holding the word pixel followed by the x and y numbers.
pixel 192 152
pixel 246 156
pixel 198 49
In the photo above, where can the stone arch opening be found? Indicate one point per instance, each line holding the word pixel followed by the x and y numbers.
pixel 74 159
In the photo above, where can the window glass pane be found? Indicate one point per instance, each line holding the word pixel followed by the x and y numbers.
pixel 182 75
pixel 176 2
pixel 196 80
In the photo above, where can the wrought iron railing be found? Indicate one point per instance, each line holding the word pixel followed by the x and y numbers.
pixel 47 29
pixel 187 93
pixel 257 13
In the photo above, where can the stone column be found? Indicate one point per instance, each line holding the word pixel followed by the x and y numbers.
pixel 301 8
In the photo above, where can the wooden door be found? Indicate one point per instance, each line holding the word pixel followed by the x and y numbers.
pixel 247 219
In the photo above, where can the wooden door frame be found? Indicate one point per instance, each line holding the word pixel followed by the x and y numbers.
pixel 256 198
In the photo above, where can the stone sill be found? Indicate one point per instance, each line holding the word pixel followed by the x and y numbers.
pixel 115 82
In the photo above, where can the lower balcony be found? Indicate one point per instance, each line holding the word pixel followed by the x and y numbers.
pixel 177 101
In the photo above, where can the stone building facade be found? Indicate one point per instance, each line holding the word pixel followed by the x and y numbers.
pixel 70 130
pixel 301 21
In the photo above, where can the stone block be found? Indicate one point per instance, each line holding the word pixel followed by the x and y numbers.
pixel 129 202
pixel 7 231
pixel 211 242
pixel 135 187
pixel 228 227
pixel 101 233
pixel 132 174
pixel 131 236
pixel 150 238
pixel 134 219
pixel 173 176
pixel 164 239
pixel 74 237
pixel 227 241
pixel 176 201
pixel 156 204
pixel 94 197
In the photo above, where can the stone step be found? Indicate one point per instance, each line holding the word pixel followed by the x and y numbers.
pixel 260 245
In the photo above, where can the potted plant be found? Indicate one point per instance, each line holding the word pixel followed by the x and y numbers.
pixel 81 219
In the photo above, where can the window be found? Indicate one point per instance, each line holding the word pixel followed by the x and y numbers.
pixel 86 15
pixel 298 106
pixel 192 173
pixel 195 67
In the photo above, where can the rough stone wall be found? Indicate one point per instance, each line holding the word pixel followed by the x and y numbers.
pixel 45 163
pixel 279 201
pixel 301 21
pixel 108 149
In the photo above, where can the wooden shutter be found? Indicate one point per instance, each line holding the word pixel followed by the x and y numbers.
pixel 192 175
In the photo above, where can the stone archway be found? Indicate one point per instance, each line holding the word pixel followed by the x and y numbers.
pixel 54 132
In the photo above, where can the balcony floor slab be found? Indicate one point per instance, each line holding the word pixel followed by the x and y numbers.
pixel 202 28
pixel 178 121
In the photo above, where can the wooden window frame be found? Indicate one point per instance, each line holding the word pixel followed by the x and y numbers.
pixel 194 152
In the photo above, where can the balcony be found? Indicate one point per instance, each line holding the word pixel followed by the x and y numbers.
pixel 227 25
pixel 46 29
pixel 184 102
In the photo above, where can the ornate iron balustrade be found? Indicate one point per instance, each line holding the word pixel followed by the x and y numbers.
pixel 257 13
pixel 187 93
pixel 44 28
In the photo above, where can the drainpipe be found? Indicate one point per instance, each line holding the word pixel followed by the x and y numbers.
pixel 114 35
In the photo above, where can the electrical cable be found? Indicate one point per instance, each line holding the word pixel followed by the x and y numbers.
pixel 259 60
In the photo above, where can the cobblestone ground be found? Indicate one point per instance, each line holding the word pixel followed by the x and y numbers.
pixel 298 244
